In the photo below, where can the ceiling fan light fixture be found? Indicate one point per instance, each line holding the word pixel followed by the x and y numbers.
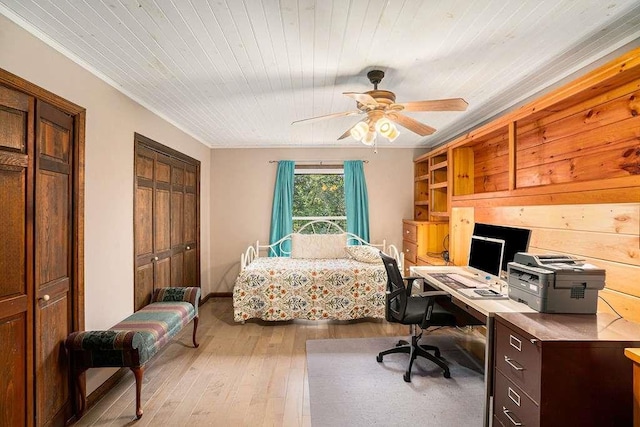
pixel 359 131
pixel 369 138
pixel 387 129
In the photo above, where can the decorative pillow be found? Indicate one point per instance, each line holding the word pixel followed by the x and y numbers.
pixel 318 246
pixel 364 253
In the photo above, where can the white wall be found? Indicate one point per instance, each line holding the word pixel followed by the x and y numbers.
pixel 112 119
pixel 242 182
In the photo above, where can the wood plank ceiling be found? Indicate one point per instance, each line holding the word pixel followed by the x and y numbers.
pixel 236 73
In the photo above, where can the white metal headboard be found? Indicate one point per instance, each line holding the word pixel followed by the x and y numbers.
pixel 254 252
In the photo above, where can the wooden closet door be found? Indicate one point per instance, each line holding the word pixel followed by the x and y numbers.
pixel 144 226
pixel 191 263
pixel 166 220
pixel 16 279
pixel 54 256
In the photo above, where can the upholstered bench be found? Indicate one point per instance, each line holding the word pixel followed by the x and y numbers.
pixel 133 342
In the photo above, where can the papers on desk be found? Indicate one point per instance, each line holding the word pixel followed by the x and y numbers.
pixel 481 293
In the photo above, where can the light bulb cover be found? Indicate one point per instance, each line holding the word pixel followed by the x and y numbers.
pixel 369 138
pixel 359 131
pixel 387 129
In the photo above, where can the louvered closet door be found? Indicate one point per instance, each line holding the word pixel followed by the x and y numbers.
pixel 166 221
pixel 16 278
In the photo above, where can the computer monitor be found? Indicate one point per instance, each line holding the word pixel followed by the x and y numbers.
pixel 485 257
pixel 515 239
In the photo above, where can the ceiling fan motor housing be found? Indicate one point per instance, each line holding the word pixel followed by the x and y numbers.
pixel 375 77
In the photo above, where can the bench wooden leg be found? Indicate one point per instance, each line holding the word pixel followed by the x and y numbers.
pixel 138 373
pixel 80 391
pixel 195 328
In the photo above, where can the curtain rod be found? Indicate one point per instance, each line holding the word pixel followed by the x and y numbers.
pixel 318 162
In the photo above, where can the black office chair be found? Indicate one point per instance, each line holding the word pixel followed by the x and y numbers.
pixel 418 310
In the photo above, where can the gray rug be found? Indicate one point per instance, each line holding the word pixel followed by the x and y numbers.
pixel 347 387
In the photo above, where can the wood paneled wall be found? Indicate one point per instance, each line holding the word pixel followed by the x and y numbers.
pixel 566 166
pixel 604 235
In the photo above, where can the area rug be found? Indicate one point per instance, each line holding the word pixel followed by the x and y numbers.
pixel 347 387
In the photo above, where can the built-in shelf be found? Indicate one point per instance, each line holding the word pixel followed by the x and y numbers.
pixel 439 185
pixel 440 165
pixel 422 178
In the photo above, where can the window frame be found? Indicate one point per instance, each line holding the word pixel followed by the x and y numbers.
pixel 321 170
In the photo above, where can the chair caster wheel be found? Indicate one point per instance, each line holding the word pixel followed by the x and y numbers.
pixel 447 374
pixel 379 358
pixel 407 377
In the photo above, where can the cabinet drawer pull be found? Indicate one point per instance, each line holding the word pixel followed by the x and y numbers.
pixel 515 343
pixel 515 397
pixel 407 231
pixel 507 413
pixel 512 364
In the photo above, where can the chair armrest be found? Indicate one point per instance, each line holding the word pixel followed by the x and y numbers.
pixel 432 294
pixel 410 280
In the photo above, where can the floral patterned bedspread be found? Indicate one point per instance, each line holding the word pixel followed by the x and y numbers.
pixel 288 288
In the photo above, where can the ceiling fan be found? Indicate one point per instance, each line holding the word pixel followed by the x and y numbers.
pixel 382 112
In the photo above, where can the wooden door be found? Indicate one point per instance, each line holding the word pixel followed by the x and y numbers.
pixel 53 262
pixel 166 219
pixel 16 278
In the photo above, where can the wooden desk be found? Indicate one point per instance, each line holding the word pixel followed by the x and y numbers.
pixel 576 372
pixel 483 310
pixel 634 354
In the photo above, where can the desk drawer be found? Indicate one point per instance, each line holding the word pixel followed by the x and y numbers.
pixel 410 232
pixel 518 359
pixel 407 265
pixel 410 250
pixel 511 406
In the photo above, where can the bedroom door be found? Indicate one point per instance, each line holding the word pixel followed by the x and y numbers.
pixel 166 219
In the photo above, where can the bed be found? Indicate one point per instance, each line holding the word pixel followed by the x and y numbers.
pixel 333 275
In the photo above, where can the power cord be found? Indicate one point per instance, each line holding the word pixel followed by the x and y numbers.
pixel 613 309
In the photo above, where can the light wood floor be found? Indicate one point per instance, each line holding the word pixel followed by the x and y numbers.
pixel 241 375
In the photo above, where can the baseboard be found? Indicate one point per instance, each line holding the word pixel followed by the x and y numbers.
pixel 105 387
pixel 217 295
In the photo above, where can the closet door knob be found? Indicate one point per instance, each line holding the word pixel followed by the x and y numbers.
pixel 155 258
pixel 188 247
pixel 45 298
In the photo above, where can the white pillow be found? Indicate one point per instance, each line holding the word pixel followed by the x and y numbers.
pixel 364 253
pixel 318 246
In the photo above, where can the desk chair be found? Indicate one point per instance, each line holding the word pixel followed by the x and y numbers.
pixel 419 310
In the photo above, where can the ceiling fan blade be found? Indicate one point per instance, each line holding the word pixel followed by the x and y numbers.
pixel 328 116
pixel 453 104
pixel 411 124
pixel 362 98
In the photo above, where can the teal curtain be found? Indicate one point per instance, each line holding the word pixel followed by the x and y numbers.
pixel 356 199
pixel 282 210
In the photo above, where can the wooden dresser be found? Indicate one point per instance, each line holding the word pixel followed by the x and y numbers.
pixel 419 239
pixel 563 370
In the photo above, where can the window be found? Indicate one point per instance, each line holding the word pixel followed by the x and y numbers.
pixel 318 193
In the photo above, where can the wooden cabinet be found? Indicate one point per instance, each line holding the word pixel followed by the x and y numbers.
pixel 166 220
pixel 562 369
pixel 422 243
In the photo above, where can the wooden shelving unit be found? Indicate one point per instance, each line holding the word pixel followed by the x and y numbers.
pixel 566 165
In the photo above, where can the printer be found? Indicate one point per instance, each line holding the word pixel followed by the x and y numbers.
pixel 554 283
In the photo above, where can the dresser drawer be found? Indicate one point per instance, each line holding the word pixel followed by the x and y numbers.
pixel 410 232
pixel 512 406
pixel 407 266
pixel 518 359
pixel 410 250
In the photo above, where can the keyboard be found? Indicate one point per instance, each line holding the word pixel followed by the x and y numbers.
pixel 465 280
pixel 453 280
